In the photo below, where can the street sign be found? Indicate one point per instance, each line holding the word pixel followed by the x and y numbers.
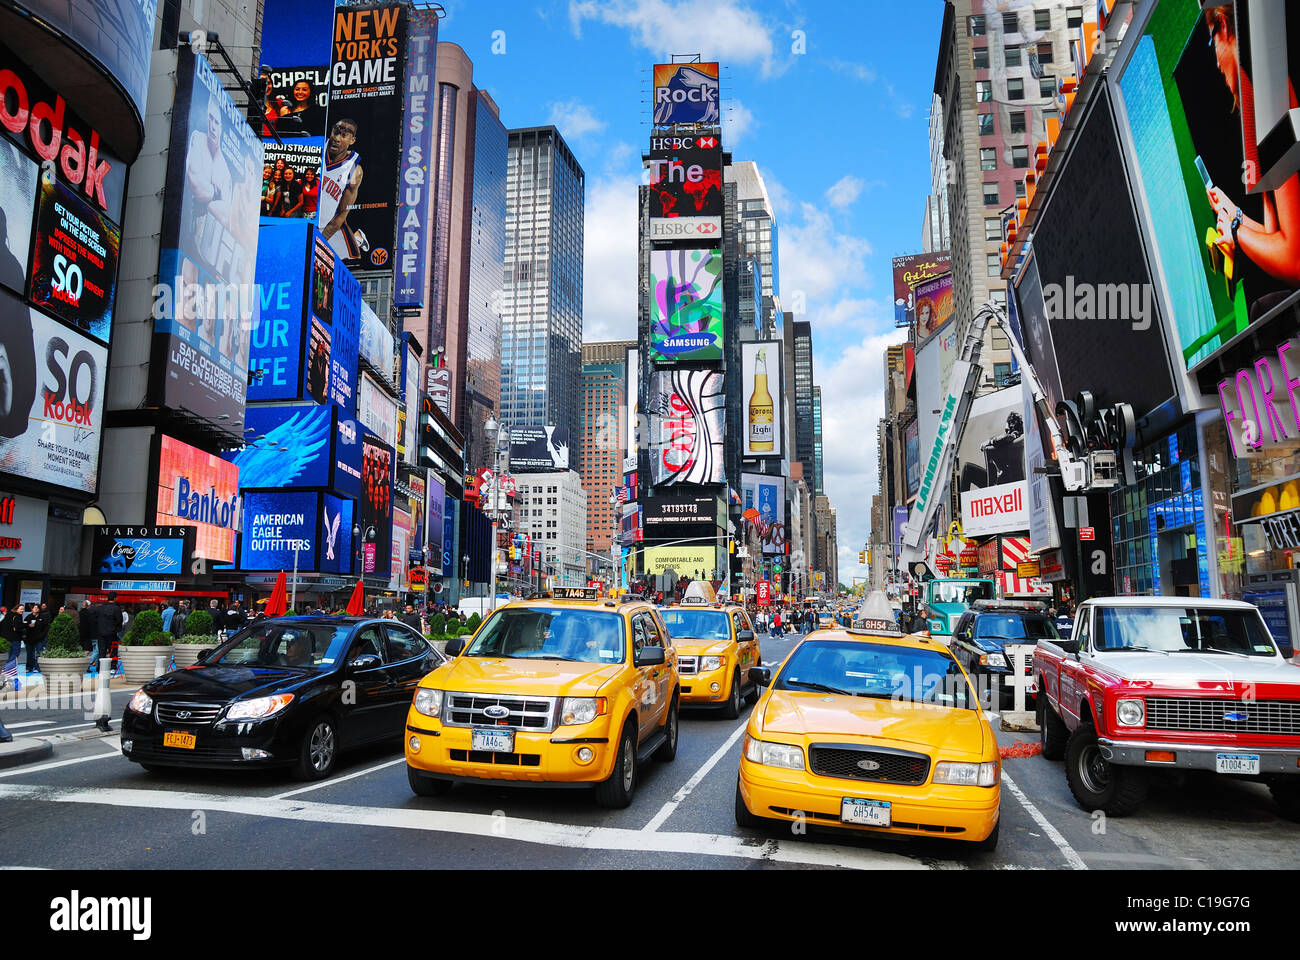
pixel 1026 569
pixel 1087 533
pixel 763 593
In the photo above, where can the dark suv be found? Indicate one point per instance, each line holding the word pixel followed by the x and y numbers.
pixel 983 632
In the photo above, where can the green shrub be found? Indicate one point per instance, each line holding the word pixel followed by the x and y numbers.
pixel 4 646
pixel 438 624
pixel 198 639
pixel 473 621
pixel 64 633
pixel 145 624
pixel 199 623
pixel 159 638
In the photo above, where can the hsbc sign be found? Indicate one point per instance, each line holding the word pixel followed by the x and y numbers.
pixel 708 142
pixel 686 228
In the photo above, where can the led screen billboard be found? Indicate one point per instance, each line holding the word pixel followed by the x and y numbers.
pixel 685 305
pixel 345 474
pixel 274 354
pixel 932 300
pixel 908 272
pixel 142 551
pixel 377 345
pixel 760 363
pixel 687 415
pixel 296 99
pixel 279 527
pixel 289 447
pixel 201 490
pixel 539 449
pixel 417 155
pixel 376 505
pixel 1186 116
pixel 763 509
pixel 686 93
pixel 357 199
pixel 208 250
pixel 991 465
pixel 74 260
pixel 291 179
pixel 685 177
pixel 17 204
pixel 52 398
pixel 377 411
pixel 632 407
pixel 336 549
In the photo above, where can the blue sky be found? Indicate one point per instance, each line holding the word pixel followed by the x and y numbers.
pixel 835 116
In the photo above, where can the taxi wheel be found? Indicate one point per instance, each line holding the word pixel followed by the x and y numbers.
pixel 668 749
pixel 731 710
pixel 1096 783
pixel 319 750
pixel 989 843
pixel 616 792
pixel 427 786
pixel 751 698
pixel 743 817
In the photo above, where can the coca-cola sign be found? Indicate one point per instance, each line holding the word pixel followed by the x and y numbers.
pixel 687 410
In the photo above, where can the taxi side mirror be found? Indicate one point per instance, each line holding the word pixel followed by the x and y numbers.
pixel 650 657
pixel 454 646
pixel 762 676
pixel 745 635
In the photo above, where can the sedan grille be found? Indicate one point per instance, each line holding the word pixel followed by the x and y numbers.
pixel 687 666
pixel 1281 717
pixel 189 714
pixel 850 763
pixel 523 713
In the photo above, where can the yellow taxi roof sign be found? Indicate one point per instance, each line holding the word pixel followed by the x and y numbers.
pixel 699 593
pixel 876 616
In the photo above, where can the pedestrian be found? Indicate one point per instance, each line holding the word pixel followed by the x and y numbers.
pixel 86 626
pixel 182 613
pixel 11 629
pixel 109 617
pixel 776 624
pixel 168 613
pixel 235 619
pixel 412 619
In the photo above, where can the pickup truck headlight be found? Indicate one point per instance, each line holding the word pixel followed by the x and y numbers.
pixel 993 660
pixel 710 663
pixel 773 754
pixel 1131 713
pixel 576 710
pixel 967 774
pixel 428 702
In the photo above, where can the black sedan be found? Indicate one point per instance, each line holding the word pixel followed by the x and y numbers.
pixel 283 691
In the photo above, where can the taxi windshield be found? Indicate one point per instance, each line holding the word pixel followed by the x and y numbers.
pixel 880 671
pixel 697 624
pixel 309 646
pixel 550 633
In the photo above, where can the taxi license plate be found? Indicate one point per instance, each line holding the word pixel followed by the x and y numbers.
pixel 872 813
pixel 1246 763
pixel 493 741
pixel 178 738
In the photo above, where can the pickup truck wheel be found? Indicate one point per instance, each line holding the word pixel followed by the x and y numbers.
pixel 616 792
pixel 1096 783
pixel 1052 731
pixel 1287 797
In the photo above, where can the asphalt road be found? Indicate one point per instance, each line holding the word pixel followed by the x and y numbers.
pixel 365 816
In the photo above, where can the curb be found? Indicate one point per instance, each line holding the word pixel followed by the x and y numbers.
pixel 24 750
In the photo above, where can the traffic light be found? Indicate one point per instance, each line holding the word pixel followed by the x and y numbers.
pixel 868 557
pixel 862 556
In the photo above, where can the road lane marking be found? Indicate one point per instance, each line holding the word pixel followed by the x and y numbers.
pixel 1072 858
pixel 479 825
pixel 61 763
pixel 29 723
pixel 330 783
pixel 667 809
pixel 28 703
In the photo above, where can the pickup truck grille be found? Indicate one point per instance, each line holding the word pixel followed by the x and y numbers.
pixel 892 766
pixel 687 666
pixel 525 713
pixel 1281 717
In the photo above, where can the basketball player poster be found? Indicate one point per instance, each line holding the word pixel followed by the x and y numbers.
pixel 359 181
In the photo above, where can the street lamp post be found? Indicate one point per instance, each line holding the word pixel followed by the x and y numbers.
pixel 500 435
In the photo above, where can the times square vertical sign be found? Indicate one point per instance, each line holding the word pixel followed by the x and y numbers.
pixel 417 145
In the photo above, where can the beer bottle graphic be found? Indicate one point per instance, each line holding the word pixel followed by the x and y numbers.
pixel 762 426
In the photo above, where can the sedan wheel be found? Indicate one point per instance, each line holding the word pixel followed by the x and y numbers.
pixel 319 750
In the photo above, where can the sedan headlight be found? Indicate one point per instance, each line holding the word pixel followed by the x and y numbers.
pixel 259 708
pixel 1131 713
pixel 141 702
pixel 993 660
pixel 711 663
pixel 576 710
pixel 428 702
pixel 967 774
pixel 773 754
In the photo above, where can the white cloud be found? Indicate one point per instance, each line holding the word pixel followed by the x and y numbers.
pixel 720 29
pixel 868 75
pixel 782 203
pixel 737 121
pixel 574 120
pixel 853 311
pixel 844 191
pixel 609 269
pixel 816 259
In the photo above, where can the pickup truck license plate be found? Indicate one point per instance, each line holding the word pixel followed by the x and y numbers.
pixel 178 738
pixel 1247 763
pixel 493 741
pixel 872 813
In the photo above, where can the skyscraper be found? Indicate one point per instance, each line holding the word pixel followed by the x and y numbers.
pixel 541 333
pixel 798 346
pixel 756 221
pixel 601 439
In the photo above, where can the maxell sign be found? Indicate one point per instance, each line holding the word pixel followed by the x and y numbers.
pixel 998 509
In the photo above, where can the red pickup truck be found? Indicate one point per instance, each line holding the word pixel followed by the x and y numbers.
pixel 1159 683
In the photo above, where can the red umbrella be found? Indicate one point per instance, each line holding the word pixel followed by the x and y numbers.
pixel 279 602
pixel 357 603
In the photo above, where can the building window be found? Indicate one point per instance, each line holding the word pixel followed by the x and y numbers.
pixel 992 228
pixel 1010 23
pixel 1020 157
pixel 986 124
pixel 993 264
pixel 988 158
pixel 990 194
pixel 1000 341
pixel 1020 189
pixel 999 297
pixel 975 25
pixel 1001 373
pixel 1044 53
pixel 1042 19
pixel 1017 119
pixel 983 91
pixel 1013 56
pixel 1015 88
pixel 1047 87
pixel 980 58
pixel 1073 17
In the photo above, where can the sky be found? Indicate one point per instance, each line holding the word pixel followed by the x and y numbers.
pixel 830 99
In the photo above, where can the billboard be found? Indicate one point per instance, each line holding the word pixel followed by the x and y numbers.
pixel 296 99
pixel 74 260
pixel 912 456
pixel 280 530
pixel 932 300
pixel 433 525
pixel 345 472
pixel 142 551
pixel 357 198
pixel 677 509
pixel 687 418
pixel 377 345
pixel 376 506
pixel 934 360
pixel 201 490
pixel 289 447
pixel 539 449
pixel 685 305
pixel 1189 94
pixel 417 149
pixel 694 562
pixel 686 93
pixel 208 250
pixel 376 410
pixel 991 465
pixel 764 430
pixel 763 509
pixel 51 398
pixel 908 272
pixel 631 390
pixel 410 415
pixel 17 204
pixel 291 179
pixel 686 180
pixel 334 554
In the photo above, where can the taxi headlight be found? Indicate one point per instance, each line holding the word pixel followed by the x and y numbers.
pixel 141 702
pixel 967 774
pixel 576 710
pixel 259 708
pixel 428 702
pixel 711 663
pixel 1131 713
pixel 773 754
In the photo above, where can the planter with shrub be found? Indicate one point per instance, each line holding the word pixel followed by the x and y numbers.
pixel 185 652
pixel 63 662
pixel 199 623
pixel 143 642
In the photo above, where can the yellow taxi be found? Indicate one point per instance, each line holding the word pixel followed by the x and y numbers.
pixel 564 689
pixel 716 647
pixel 869 729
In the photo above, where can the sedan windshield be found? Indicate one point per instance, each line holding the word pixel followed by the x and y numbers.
pixel 1183 630
pixel 1014 626
pixel 697 624
pixel 552 634
pixel 271 643
pixel 880 671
